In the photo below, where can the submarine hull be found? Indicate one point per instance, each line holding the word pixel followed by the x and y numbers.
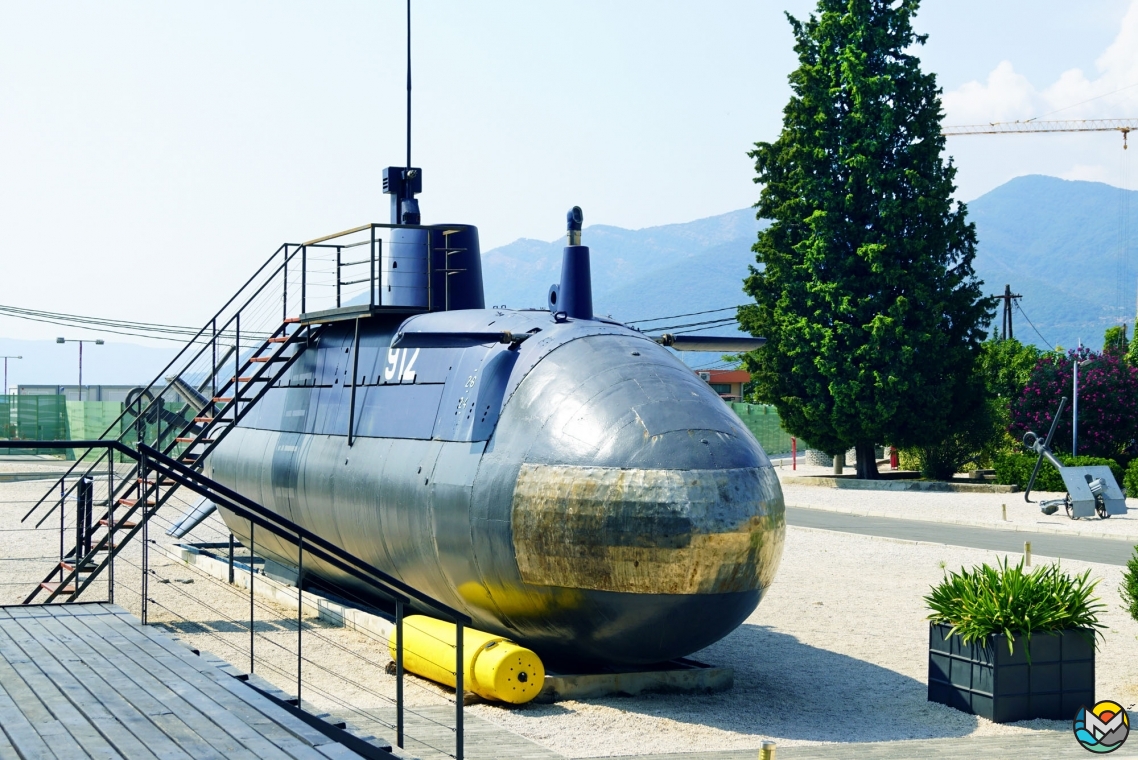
pixel 585 494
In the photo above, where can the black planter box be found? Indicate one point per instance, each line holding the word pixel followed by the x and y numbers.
pixel 984 679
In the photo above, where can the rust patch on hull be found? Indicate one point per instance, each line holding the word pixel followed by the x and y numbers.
pixel 647 531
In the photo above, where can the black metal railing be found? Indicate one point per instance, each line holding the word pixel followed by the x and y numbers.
pixel 90 556
pixel 297 280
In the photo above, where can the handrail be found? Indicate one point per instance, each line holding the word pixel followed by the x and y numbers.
pixel 288 252
pixel 197 335
pixel 192 479
pixel 248 509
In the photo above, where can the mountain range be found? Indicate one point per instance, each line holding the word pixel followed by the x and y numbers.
pixel 1056 242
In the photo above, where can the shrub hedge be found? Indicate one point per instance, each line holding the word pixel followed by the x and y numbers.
pixel 1129 588
pixel 1006 599
pixel 1015 469
pixel 1130 481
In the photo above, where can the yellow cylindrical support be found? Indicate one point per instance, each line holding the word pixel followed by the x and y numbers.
pixel 494 667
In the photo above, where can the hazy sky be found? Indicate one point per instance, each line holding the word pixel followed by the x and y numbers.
pixel 152 154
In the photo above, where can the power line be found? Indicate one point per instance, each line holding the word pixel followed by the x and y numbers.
pixel 101 320
pixel 708 323
pixel 153 331
pixel 1081 102
pixel 677 316
pixel 1033 327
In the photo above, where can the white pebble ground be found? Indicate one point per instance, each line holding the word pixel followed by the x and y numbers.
pixel 836 652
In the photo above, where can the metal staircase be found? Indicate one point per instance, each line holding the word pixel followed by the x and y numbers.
pixel 160 442
pixel 141 496
pixel 213 382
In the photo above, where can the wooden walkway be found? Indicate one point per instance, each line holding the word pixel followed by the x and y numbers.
pixel 89 681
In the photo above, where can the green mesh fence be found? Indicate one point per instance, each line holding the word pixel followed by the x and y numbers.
pixel 53 418
pixel 90 419
pixel 762 420
pixel 32 418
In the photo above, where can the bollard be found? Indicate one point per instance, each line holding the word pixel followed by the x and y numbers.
pixel 1027 552
pixel 1004 510
pixel 793 453
pixel 766 751
pixel 839 463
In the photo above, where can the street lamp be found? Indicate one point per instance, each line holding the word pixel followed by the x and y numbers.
pixel 1075 405
pixel 6 358
pixel 97 342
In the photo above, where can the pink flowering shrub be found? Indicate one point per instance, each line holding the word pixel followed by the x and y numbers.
pixel 1108 403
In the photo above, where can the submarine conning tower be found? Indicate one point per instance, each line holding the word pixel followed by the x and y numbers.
pixel 435 267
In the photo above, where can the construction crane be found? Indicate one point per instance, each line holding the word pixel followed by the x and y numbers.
pixel 1075 125
pixel 1070 125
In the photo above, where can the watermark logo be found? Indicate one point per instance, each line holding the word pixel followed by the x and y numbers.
pixel 1103 728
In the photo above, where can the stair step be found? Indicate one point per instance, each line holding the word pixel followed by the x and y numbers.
pixel 132 502
pixel 292 320
pixel 222 399
pixel 90 567
pixel 204 419
pixel 120 524
pixel 261 359
pixel 191 440
pixel 51 587
pixel 281 339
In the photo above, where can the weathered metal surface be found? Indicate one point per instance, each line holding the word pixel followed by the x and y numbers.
pixel 426 491
pixel 647 531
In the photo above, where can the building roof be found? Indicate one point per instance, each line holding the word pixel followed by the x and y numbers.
pixel 729 376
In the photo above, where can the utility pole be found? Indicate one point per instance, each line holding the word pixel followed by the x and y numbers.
pixel 1008 298
pixel 6 358
pixel 97 342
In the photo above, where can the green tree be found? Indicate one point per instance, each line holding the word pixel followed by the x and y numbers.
pixel 1006 366
pixel 865 289
pixel 1115 343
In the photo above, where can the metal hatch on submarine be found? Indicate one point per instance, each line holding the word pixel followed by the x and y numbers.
pixel 562 478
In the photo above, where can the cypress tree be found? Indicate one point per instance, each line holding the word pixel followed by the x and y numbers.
pixel 865 289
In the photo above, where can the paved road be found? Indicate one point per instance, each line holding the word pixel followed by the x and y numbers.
pixel 1108 551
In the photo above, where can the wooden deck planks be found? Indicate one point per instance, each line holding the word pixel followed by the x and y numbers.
pixel 90 696
pixel 19 729
pixel 185 697
pixel 288 733
pixel 89 681
pixel 185 658
pixel 45 707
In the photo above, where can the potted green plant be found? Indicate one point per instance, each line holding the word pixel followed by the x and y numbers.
pixel 1011 645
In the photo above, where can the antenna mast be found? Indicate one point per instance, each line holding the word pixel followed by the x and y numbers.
pixel 403 183
pixel 408 84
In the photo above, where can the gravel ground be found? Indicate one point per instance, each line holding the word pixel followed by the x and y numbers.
pixel 968 508
pixel 839 643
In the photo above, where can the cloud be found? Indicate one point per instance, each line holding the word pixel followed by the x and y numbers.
pixel 1007 95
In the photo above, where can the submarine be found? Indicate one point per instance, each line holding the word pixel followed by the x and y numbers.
pixel 561 477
